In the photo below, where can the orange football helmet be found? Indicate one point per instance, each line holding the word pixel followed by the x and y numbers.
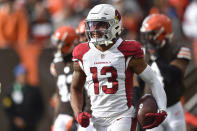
pixel 81 28
pixel 157 30
pixel 81 31
pixel 63 38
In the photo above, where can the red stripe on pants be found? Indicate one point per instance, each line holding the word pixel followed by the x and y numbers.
pixel 134 123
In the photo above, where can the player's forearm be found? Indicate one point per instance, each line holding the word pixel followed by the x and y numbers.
pixel 76 100
pixel 77 86
pixel 157 89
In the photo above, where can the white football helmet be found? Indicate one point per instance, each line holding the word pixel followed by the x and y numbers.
pixel 109 18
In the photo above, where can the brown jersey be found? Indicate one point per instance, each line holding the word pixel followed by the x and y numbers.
pixel 174 90
pixel 64 70
pixel 63 80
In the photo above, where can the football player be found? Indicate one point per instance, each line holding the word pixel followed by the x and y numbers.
pixel 61 68
pixel 107 63
pixel 168 58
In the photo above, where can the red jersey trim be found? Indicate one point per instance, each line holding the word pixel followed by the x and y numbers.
pixel 79 51
pixel 130 49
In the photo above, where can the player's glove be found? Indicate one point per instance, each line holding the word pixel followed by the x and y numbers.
pixel 158 118
pixel 83 118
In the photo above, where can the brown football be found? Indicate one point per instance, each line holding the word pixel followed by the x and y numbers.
pixel 146 104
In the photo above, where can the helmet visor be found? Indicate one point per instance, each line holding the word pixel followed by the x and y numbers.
pixel 149 39
pixel 97 25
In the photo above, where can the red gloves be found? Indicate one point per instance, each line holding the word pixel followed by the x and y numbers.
pixel 83 118
pixel 158 119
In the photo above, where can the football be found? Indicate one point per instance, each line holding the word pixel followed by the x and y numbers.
pixel 146 104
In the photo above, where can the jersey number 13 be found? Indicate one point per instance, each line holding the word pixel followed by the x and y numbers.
pixel 112 79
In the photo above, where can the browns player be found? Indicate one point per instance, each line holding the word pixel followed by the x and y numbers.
pixel 107 63
pixel 64 39
pixel 61 68
pixel 169 59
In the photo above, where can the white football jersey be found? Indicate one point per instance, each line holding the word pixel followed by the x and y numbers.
pixel 109 80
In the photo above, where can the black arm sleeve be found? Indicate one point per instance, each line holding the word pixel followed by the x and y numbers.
pixel 171 73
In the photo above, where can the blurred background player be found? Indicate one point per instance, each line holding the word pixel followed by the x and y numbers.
pixel 23 103
pixel 81 32
pixel 110 84
pixel 63 39
pixel 61 68
pixel 168 58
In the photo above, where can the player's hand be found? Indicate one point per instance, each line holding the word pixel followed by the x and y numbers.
pixel 158 118
pixel 83 118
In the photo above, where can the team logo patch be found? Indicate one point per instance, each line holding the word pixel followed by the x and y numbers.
pixel 117 15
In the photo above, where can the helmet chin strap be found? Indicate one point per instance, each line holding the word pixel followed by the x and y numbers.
pixel 108 42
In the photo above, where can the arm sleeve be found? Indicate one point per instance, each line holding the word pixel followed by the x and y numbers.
pixel 171 73
pixel 157 89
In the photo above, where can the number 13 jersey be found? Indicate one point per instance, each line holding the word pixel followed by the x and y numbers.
pixel 109 80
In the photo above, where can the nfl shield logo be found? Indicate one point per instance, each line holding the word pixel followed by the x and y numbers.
pixel 102 56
